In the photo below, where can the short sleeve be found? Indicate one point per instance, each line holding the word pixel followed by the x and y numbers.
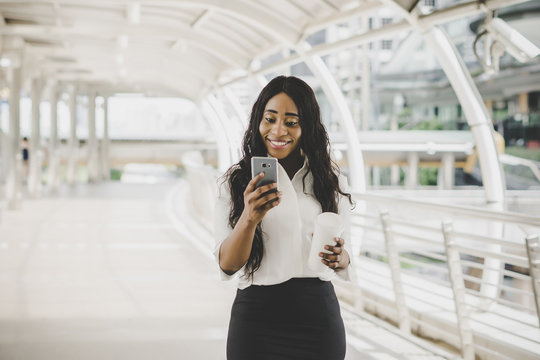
pixel 345 211
pixel 221 222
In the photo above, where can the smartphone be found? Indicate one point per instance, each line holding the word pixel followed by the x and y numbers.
pixel 268 166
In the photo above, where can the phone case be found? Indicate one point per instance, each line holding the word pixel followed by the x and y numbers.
pixel 267 165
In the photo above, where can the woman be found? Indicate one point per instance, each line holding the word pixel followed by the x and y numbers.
pixel 283 309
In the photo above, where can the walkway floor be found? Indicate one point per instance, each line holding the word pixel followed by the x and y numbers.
pixel 100 272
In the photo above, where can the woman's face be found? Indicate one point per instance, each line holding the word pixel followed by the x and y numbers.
pixel 280 126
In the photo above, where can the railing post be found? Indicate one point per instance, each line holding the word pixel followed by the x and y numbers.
pixel 458 288
pixel 533 252
pixel 395 270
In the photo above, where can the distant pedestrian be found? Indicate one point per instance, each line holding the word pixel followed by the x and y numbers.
pixel 25 157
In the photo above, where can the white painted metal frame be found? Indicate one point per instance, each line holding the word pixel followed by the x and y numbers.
pixel 458 289
pixel 499 316
pixel 36 154
pixel 505 329
pixel 13 179
pixel 105 142
pixel 533 252
pixel 73 142
pixel 339 105
pixel 225 158
pixel 395 265
pixel 54 155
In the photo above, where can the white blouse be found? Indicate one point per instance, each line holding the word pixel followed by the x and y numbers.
pixel 287 232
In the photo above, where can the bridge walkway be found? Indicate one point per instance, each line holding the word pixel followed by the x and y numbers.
pixel 109 271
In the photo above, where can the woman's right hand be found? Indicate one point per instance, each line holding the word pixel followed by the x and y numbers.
pixel 255 204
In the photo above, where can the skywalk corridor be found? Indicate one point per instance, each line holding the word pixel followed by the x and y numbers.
pixel 112 271
pixel 432 109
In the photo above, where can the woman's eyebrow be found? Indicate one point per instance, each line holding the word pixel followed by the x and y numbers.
pixel 286 114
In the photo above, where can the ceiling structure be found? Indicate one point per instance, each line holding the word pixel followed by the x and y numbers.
pixel 195 48
pixel 180 47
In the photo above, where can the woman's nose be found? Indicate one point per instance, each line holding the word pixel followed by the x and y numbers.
pixel 279 128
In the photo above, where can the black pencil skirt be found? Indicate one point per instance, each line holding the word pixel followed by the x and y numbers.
pixel 298 319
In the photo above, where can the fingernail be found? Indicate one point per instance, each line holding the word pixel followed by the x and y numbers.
pixel 320 254
pixel 327 247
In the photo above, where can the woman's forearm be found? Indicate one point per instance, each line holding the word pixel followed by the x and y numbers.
pixel 235 249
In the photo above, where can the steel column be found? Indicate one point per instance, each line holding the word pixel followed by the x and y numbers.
pixel 54 154
pixel 91 143
pixel 395 270
pixel 73 144
pixel 447 171
pixel 240 112
pixel 482 129
pixel 533 252
pixel 36 153
pixel 339 105
pixel 13 178
pixel 458 289
pixel 412 170
pixel 366 81
pixel 232 129
pixel 223 149
pixel 105 143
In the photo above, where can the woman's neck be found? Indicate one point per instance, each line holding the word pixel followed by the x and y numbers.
pixel 292 163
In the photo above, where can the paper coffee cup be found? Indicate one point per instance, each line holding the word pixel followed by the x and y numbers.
pixel 328 225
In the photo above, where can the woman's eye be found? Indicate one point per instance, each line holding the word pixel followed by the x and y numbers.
pixel 270 120
pixel 291 123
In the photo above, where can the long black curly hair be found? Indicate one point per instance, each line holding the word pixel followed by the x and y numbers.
pixel 314 143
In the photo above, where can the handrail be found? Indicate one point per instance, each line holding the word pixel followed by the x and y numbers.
pixel 515 160
pixel 457 210
pixel 421 296
pixel 470 240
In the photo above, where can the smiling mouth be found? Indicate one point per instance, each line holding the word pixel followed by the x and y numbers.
pixel 278 144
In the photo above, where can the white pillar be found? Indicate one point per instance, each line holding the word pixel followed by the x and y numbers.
pixel 232 130
pixel 353 75
pixel 235 103
pixel 446 172
pixel 223 150
pixel 339 105
pixel 105 161
pixel 91 143
pixel 395 175
pixel 376 177
pixel 54 155
pixel 367 173
pixel 4 160
pixel 73 143
pixel 475 112
pixel 366 81
pixel 481 128
pixel 13 178
pixel 36 152
pixel 412 170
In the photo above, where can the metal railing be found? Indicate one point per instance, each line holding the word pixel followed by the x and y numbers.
pixel 517 161
pixel 463 275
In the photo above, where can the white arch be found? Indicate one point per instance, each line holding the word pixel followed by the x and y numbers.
pixel 339 104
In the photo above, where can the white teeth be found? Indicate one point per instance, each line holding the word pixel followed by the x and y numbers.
pixel 279 143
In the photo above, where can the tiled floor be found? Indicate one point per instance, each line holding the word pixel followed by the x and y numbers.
pixel 101 272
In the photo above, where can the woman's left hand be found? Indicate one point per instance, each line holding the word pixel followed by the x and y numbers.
pixel 338 259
